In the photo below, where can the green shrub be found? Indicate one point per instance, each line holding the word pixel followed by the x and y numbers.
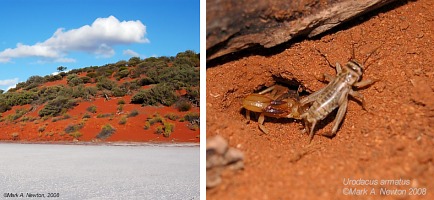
pixel 19 98
pixel 155 119
pixel 4 106
pixel 65 116
pixel 147 125
pixel 123 120
pixel 120 107
pixel 134 86
pixel 183 105
pixel 192 117
pixel 121 102
pixel 118 92
pixel 171 116
pixel 56 106
pixel 121 64
pixel 168 129
pixel 41 128
pixel 18 113
pixel 122 74
pixel 78 91
pixel 73 128
pixel 70 77
pixel 62 74
pixel 193 127
pixel 133 61
pixel 133 113
pixel 76 134
pixel 104 115
pixel 91 109
pixel 86 115
pixel 145 81
pixel 193 95
pixel 90 91
pixel 51 78
pixel 142 97
pixel 105 83
pixel 49 93
pixel 159 130
pixel 75 81
pixel 27 118
pixel 161 93
pixel 106 131
pixel 32 82
pixel 91 75
pixel 86 79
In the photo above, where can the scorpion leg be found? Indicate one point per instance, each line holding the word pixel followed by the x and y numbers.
pixel 261 123
pixel 248 115
pixel 340 116
pixel 266 90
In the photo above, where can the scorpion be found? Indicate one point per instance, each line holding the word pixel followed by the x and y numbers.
pixel 335 94
pixel 276 101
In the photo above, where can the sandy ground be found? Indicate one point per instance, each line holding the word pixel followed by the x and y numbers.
pixel 392 140
pixel 44 130
pixel 100 171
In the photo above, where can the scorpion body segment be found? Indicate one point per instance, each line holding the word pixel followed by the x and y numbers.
pixel 275 101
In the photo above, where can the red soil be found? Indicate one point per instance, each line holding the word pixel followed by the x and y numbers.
pixel 132 131
pixel 53 83
pixel 38 129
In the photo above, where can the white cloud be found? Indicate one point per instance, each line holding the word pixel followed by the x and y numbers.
pixel 9 83
pixel 65 60
pixel 97 38
pixel 131 53
pixel 55 73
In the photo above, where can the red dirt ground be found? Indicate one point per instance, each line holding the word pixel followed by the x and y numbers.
pixel 132 131
pixel 392 140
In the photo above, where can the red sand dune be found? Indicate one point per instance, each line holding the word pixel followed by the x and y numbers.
pixel 38 129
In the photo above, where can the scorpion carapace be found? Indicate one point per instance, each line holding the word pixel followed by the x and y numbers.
pixel 276 101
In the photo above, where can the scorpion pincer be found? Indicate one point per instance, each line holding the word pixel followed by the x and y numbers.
pixel 276 101
pixel 334 95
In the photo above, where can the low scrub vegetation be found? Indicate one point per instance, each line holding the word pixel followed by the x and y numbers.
pixel 104 115
pixel 106 132
pixel 123 120
pixel 171 116
pixel 163 126
pixel 160 94
pixel 57 106
pixel 152 81
pixel 192 117
pixel 91 109
pixel 183 105
pixel 76 134
pixel 73 128
pixel 133 113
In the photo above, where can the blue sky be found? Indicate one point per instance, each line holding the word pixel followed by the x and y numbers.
pixel 38 36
